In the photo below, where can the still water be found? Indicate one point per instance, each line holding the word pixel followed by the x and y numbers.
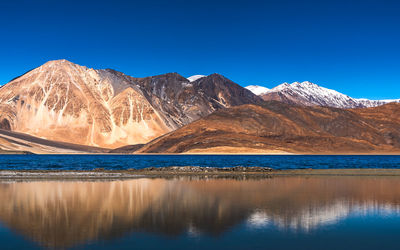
pixel 119 162
pixel 181 213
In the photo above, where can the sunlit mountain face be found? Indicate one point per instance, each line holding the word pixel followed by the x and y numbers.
pixel 66 102
pixel 72 213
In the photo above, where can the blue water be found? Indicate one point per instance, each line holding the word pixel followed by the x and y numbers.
pixel 120 162
pixel 342 212
pixel 369 232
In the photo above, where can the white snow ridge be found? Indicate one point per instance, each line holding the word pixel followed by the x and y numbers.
pixel 257 90
pixel 195 77
pixel 310 94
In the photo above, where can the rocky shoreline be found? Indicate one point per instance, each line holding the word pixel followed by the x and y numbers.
pixel 190 171
pixel 194 169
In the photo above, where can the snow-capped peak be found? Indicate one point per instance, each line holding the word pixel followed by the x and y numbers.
pixel 257 90
pixel 304 84
pixel 195 77
pixel 308 93
pixel 280 87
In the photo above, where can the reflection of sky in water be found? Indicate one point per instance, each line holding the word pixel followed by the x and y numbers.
pixel 313 218
pixel 213 213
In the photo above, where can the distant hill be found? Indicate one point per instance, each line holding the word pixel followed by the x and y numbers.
pixel 277 127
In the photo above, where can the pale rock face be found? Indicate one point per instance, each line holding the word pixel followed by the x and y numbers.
pixel 310 94
pixel 67 102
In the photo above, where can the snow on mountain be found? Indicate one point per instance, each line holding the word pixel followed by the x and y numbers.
pixel 374 103
pixel 257 90
pixel 195 77
pixel 310 94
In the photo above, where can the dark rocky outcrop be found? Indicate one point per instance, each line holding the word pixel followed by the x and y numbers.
pixel 5 124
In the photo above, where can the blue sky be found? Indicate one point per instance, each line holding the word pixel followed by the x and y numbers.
pixel 351 46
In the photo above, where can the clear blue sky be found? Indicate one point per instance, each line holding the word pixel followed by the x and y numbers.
pixel 351 46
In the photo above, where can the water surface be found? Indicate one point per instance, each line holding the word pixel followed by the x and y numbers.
pixel 181 213
pixel 119 162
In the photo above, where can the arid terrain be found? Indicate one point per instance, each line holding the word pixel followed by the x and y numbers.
pixel 61 107
pixel 66 102
pixel 276 127
pixel 14 142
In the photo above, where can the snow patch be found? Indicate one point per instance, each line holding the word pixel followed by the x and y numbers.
pixel 195 77
pixel 257 90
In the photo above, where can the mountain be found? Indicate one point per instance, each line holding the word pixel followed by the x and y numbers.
pixel 257 90
pixel 183 102
pixel 65 102
pixel 310 94
pixel 277 127
pixel 61 104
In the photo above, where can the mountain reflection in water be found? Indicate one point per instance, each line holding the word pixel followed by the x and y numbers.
pixel 70 213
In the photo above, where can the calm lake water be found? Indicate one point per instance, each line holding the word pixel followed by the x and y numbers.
pixel 87 162
pixel 273 213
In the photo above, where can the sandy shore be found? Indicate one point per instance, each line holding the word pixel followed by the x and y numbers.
pixel 171 172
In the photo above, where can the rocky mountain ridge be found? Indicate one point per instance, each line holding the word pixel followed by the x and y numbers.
pixel 66 102
pixel 62 102
pixel 310 94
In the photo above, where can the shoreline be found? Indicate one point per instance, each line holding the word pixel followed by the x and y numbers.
pixel 172 172
pixel 4 152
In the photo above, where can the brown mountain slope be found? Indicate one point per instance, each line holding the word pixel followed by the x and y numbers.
pixel 14 142
pixel 278 127
pixel 63 101
pixel 182 101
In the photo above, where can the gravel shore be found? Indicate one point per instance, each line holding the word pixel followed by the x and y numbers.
pixel 189 171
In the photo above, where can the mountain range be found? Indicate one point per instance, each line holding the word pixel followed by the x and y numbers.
pixel 64 107
pixel 66 102
pixel 310 94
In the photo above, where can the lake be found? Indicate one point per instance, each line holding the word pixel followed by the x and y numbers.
pixel 331 212
pixel 120 162
pixel 199 213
